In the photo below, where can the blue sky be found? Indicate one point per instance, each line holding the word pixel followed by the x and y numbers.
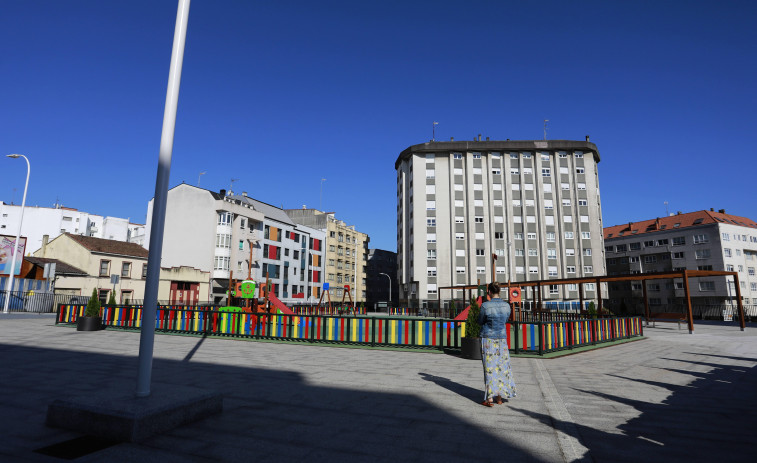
pixel 280 94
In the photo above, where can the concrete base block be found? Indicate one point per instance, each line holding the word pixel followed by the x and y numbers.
pixel 123 417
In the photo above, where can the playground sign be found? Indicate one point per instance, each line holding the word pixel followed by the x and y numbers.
pixel 6 254
pixel 244 289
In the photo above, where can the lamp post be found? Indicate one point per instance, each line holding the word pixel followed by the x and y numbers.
pixel 14 252
pixel 390 288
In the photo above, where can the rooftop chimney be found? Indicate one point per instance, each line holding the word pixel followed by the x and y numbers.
pixel 479 137
pixel 722 211
pixel 222 193
pixel 244 193
pixel 45 239
pixel 304 206
pixel 712 209
pixel 587 138
pixel 451 138
pixel 487 138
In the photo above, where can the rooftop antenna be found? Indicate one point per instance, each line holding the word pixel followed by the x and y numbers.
pixel 231 187
pixel 198 177
pixel 667 213
pixel 545 129
pixel 433 131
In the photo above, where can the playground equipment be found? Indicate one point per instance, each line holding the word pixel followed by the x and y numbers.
pixel 342 309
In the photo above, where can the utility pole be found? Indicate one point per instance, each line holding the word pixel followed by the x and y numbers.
pixel 545 129
pixel 433 131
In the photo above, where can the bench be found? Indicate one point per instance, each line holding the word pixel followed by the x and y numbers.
pixel 668 317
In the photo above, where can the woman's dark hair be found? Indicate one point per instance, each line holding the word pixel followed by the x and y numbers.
pixel 493 288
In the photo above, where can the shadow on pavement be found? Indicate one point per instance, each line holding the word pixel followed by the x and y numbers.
pixel 710 419
pixel 269 415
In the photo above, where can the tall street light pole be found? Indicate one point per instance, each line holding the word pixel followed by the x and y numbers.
pixel 390 288
pixel 147 335
pixel 14 252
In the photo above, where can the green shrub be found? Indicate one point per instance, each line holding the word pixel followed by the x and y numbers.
pixel 93 306
pixel 472 328
pixel 112 298
pixel 592 310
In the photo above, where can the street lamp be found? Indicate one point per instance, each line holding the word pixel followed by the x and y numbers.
pixel 14 252
pixel 390 287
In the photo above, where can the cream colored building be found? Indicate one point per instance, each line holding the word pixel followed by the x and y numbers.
pixel 97 259
pixel 346 252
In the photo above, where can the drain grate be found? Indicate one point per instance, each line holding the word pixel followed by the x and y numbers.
pixel 76 447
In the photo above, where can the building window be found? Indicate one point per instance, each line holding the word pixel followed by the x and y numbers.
pixel 104 268
pixel 587 236
pixel 553 289
pixel 431 238
pixel 588 269
pixel 707 286
pixel 431 271
pixel 479 252
pixel 702 254
pixel 701 238
pixel 570 252
pixel 551 253
pixel 727 252
pixel 126 270
pixel 460 270
pixel 678 255
pixel 533 269
pixel 430 205
pixel 457 156
pixel 545 172
pixel 144 271
pixel 478 219
pixel 533 252
pixel 650 259
pixel 518 236
pixel 431 253
pixel 634 246
pixel 518 253
pixel 224 218
pixel 570 269
pixel 587 252
pixel 550 237
pixel 579 170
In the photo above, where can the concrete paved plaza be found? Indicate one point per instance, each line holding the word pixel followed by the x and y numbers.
pixel 670 397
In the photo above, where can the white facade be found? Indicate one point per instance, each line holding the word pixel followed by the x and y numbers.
pixel 237 236
pixel 53 221
pixel 702 240
pixel 535 204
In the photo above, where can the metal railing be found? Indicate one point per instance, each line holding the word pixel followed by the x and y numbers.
pixel 534 337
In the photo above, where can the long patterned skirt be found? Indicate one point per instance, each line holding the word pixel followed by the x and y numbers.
pixel 498 376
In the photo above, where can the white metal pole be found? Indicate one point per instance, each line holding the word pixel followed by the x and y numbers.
pixel 390 288
pixel 14 253
pixel 147 336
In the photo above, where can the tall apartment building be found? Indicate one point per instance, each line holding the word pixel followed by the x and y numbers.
pixel 54 221
pixel 535 204
pixel 346 252
pixel 702 240
pixel 233 236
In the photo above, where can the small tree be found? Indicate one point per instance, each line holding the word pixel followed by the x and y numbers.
pixel 472 328
pixel 93 306
pixel 112 298
pixel 592 310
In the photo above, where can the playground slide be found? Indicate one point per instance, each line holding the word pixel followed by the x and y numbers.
pixel 280 305
pixel 464 314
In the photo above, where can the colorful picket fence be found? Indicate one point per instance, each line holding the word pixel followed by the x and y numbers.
pixel 532 337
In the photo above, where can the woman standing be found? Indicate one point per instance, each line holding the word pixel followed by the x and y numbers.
pixel 498 377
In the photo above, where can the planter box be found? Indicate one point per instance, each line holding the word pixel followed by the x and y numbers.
pixel 89 324
pixel 470 348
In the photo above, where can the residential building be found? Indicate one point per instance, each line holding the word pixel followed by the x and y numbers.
pixel 53 221
pixel 702 240
pixel 533 204
pixel 236 237
pixel 84 263
pixel 346 252
pixel 381 277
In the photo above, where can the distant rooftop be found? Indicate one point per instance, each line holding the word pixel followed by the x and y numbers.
pixel 679 220
pixel 109 246
pixel 499 145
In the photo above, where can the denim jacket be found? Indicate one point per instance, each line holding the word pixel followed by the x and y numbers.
pixel 493 317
